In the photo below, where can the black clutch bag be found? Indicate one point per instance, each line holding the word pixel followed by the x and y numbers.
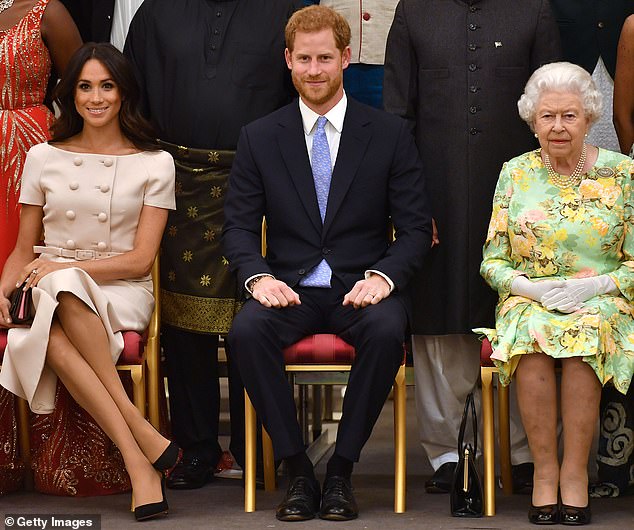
pixel 466 488
pixel 21 310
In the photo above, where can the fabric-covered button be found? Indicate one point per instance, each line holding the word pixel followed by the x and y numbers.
pixel 104 188
pixel 70 214
pixel 366 16
pixel 77 161
pixel 107 162
pixel 74 185
pixel 103 217
pixel 70 244
pixel 102 245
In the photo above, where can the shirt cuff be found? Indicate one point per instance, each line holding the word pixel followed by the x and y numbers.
pixel 384 276
pixel 255 276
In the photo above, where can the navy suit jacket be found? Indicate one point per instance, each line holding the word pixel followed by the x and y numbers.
pixel 377 179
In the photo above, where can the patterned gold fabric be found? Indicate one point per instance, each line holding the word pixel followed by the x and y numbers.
pixel 198 290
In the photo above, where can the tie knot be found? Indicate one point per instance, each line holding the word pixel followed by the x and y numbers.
pixel 321 122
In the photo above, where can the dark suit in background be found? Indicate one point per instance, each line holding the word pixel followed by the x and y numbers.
pixel 455 70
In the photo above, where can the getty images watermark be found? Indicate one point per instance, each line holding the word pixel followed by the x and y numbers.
pixel 46 521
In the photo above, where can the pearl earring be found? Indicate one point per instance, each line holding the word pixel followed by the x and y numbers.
pixel 536 135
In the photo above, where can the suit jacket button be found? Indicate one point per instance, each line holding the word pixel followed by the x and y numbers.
pixel 302 271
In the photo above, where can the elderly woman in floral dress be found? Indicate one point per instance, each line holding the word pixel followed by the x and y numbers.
pixel 560 253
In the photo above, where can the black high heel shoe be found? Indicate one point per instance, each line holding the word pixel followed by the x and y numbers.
pixel 575 516
pixel 547 514
pixel 154 509
pixel 168 459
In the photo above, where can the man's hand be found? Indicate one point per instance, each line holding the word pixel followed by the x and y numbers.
pixel 434 233
pixel 366 292
pixel 274 293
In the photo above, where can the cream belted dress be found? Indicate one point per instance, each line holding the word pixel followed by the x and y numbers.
pixel 91 202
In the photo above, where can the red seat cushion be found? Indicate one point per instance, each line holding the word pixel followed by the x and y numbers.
pixel 133 347
pixel 323 348
pixel 485 353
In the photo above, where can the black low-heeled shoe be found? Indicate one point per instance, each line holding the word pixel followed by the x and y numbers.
pixel 168 459
pixel 154 509
pixel 547 514
pixel 575 516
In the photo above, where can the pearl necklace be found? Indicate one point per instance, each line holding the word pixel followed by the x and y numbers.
pixel 5 4
pixel 562 181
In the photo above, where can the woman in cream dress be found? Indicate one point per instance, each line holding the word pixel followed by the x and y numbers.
pixel 101 190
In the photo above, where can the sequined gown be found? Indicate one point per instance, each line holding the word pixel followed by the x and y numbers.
pixel 25 67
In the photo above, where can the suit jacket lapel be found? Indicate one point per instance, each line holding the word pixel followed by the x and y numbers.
pixel 352 147
pixel 293 148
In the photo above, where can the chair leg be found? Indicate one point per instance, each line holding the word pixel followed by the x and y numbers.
pixel 24 441
pixel 138 388
pixel 486 374
pixel 400 441
pixel 268 458
pixel 250 454
pixel 504 433
pixel 153 380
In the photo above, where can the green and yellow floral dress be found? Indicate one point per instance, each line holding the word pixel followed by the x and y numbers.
pixel 541 231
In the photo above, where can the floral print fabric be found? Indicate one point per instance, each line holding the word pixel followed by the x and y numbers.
pixel 544 232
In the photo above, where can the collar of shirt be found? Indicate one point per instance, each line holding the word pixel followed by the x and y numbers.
pixel 334 126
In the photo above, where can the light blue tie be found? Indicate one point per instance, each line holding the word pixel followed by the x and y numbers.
pixel 322 173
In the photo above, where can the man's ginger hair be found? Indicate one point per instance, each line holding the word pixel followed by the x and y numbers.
pixel 316 18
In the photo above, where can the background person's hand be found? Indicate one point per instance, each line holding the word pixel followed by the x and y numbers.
pixel 274 293
pixel 366 292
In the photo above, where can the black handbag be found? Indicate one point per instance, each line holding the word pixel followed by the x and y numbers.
pixel 21 310
pixel 466 488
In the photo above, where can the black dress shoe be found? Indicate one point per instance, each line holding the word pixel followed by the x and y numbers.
pixel 168 459
pixel 574 516
pixel 301 501
pixel 154 509
pixel 522 475
pixel 547 514
pixel 190 473
pixel 442 479
pixel 337 500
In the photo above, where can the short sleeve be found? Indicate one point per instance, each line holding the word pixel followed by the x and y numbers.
pixel 31 191
pixel 159 189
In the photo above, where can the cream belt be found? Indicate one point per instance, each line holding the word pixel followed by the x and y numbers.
pixel 77 254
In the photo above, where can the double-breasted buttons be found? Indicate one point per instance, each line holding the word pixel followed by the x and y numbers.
pixel 102 217
pixel 78 161
pixel 104 188
pixel 70 244
pixel 74 185
pixel 108 162
pixel 102 246
pixel 70 215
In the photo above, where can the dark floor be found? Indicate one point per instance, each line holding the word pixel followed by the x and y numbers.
pixel 219 505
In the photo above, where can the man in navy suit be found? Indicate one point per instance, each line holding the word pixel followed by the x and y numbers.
pixel 330 175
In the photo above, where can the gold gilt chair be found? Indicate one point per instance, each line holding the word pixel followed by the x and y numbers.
pixel 487 371
pixel 320 353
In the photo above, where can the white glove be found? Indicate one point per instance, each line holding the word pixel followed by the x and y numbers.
pixel 522 286
pixel 574 292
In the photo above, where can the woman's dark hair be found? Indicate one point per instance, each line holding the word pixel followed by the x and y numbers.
pixel 133 125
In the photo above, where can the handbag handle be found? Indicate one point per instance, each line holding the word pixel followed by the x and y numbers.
pixel 468 406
